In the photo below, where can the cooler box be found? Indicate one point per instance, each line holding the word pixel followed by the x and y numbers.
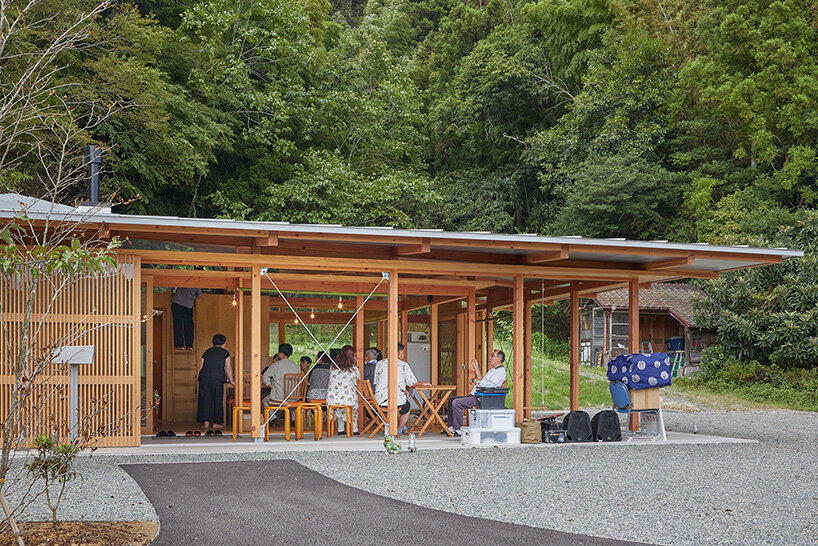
pixel 491 419
pixel 477 436
pixel 491 397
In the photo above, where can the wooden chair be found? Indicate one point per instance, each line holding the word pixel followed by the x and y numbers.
pixel 318 416
pixel 291 403
pixel 376 414
pixel 331 421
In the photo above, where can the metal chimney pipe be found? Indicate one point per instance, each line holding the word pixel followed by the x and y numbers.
pixel 93 158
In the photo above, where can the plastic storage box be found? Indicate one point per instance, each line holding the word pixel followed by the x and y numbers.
pixel 493 419
pixel 477 436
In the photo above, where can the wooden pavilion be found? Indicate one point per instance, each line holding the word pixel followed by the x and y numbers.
pixel 460 277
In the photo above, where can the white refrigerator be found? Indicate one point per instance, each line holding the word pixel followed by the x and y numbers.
pixel 419 357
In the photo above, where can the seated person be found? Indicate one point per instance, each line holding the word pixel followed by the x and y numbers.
pixel 274 376
pixel 305 364
pixel 371 358
pixel 405 379
pixel 495 376
pixel 318 380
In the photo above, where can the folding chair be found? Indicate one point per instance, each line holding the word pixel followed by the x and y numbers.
pixel 375 413
pixel 621 397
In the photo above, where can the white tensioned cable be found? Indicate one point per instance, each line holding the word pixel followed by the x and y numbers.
pixel 326 352
pixel 542 342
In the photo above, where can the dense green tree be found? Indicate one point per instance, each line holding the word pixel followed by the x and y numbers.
pixel 770 314
pixel 747 108
pixel 619 196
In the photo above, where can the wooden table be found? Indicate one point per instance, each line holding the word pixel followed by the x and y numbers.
pixel 430 406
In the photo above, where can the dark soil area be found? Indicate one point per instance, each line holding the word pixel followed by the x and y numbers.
pixel 85 533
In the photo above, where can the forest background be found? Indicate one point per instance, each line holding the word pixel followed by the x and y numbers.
pixel 687 120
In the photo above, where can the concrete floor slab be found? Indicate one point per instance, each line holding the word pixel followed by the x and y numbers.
pixel 193 446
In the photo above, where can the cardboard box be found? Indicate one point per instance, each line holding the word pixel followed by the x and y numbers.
pixel 645 398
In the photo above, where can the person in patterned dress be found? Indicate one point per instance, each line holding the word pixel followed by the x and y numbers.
pixel 342 382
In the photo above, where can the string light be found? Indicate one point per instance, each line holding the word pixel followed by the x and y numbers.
pixel 295 321
pixel 312 313
pixel 340 303
pixel 235 302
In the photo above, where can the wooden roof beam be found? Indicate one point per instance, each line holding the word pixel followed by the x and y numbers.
pixel 550 256
pixel 270 240
pixel 414 250
pixel 670 263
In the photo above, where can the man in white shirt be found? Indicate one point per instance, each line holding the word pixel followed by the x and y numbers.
pixel 274 375
pixel 495 376
pixel 405 379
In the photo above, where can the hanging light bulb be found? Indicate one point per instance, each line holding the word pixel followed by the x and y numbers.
pixel 295 320
pixel 312 313
pixel 235 302
pixel 340 303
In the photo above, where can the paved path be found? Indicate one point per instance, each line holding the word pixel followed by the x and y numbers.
pixel 283 502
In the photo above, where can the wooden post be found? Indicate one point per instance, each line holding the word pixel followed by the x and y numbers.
pixel 633 334
pixel 434 341
pixel 255 353
pixel 239 364
pixel 481 339
pixel 471 334
pixel 359 343
pixel 282 332
pixel 149 356
pixel 458 355
pixel 392 348
pixel 519 346
pixel 527 359
pixel 404 327
pixel 573 350
pixel 633 316
pixel 489 337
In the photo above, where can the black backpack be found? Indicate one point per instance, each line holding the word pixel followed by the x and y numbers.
pixel 577 425
pixel 605 425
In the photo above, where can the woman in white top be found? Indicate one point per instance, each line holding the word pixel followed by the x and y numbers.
pixel 343 377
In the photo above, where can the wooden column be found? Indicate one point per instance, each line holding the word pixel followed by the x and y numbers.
pixel 434 341
pixel 458 355
pixel 282 332
pixel 238 368
pixel 527 359
pixel 255 353
pixel 633 334
pixel 404 327
pixel 359 341
pixel 481 339
pixel 573 350
pixel 633 316
pixel 149 356
pixel 471 334
pixel 519 345
pixel 489 337
pixel 392 348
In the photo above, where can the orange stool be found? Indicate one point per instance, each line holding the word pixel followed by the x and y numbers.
pixel 331 421
pixel 318 418
pixel 270 409
pixel 238 412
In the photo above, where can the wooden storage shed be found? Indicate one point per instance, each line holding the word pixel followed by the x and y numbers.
pixel 666 324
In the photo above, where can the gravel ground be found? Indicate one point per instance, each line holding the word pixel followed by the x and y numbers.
pixel 764 493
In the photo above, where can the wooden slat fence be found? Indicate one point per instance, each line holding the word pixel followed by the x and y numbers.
pixel 103 311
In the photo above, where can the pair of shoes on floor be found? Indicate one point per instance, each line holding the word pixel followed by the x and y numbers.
pixel 210 433
pixel 453 432
pixel 404 430
pixel 163 434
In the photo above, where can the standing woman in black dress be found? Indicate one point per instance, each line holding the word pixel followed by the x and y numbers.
pixel 214 370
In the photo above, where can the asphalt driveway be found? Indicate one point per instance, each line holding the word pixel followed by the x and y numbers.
pixel 283 502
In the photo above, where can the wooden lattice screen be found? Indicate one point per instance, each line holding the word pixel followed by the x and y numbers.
pixel 103 311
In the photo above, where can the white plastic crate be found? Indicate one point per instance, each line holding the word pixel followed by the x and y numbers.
pixel 477 436
pixel 491 419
